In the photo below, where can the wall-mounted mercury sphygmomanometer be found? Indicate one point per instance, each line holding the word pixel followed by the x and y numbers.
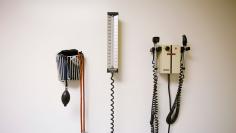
pixel 167 59
pixel 112 54
pixel 70 65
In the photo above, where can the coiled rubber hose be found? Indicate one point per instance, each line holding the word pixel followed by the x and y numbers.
pixel 112 103
pixel 154 111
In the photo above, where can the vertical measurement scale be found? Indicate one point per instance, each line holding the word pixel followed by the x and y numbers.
pixel 112 55
pixel 112 42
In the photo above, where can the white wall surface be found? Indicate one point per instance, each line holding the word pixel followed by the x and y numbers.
pixel 32 32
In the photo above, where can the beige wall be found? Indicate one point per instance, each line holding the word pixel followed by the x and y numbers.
pixel 31 33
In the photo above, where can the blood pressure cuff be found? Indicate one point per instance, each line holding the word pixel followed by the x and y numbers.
pixel 68 65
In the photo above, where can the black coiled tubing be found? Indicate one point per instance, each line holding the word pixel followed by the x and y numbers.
pixel 174 111
pixel 112 103
pixel 154 111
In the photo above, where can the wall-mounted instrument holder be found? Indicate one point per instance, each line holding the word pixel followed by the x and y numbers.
pixel 70 65
pixel 112 55
pixel 167 59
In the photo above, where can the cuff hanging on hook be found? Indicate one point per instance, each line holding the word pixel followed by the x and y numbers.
pixel 70 65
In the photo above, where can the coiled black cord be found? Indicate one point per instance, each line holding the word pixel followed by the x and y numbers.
pixel 112 103
pixel 174 111
pixel 154 111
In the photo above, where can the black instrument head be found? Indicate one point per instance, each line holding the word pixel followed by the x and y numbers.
pixel 155 40
pixel 185 41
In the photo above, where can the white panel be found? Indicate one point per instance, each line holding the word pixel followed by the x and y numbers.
pixel 164 60
pixel 176 58
pixel 169 59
